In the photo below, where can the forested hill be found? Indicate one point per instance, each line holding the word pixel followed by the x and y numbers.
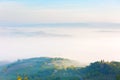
pixel 41 69
pixel 59 69
pixel 101 71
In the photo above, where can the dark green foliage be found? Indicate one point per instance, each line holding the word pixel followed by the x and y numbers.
pixel 101 71
pixel 118 77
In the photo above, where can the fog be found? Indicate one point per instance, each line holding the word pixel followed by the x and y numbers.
pixel 84 44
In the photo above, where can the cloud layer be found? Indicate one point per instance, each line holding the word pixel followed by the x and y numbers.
pixel 84 44
pixel 28 32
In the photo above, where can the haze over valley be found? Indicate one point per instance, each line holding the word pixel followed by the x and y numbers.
pixel 59 39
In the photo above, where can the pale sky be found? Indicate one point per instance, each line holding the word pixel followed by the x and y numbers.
pixel 82 30
pixel 59 11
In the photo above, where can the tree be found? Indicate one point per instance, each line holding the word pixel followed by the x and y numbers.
pixel 26 78
pixel 118 77
pixel 19 78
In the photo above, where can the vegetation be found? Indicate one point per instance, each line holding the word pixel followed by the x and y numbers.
pixel 59 69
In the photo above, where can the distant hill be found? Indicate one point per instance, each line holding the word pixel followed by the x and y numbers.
pixel 44 68
pixel 40 68
pixel 4 63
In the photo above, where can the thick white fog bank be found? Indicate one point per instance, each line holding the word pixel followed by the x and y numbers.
pixel 77 43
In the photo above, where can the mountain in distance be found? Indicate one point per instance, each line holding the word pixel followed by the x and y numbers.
pixel 45 68
pixel 2 63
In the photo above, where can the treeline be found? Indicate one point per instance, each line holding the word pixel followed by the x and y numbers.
pixel 53 74
pixel 58 69
pixel 102 70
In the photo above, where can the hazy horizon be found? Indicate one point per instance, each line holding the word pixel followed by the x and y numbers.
pixel 82 43
pixel 82 30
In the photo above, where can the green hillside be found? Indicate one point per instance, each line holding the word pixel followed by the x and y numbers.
pixel 101 71
pixel 40 68
pixel 59 69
